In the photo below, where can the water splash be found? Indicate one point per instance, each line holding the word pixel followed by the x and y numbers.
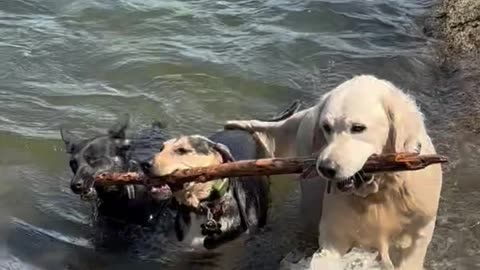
pixel 357 259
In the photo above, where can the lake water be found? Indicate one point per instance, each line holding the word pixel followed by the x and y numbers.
pixel 194 64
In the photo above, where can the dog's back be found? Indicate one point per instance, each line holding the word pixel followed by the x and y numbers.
pixel 252 191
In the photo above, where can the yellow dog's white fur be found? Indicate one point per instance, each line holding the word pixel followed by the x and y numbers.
pixel 397 216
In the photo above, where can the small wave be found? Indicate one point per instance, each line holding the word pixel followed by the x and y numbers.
pixel 13 263
pixel 66 214
pixel 77 241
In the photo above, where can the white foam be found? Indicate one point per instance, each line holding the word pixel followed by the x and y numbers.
pixel 354 260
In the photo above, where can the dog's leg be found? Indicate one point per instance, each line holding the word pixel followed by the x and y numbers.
pixel 414 259
pixel 384 256
pixel 329 255
pixel 332 247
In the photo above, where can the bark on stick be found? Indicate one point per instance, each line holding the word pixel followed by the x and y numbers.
pixel 268 166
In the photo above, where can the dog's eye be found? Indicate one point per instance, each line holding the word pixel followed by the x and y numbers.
pixel 358 128
pixel 73 165
pixel 327 128
pixel 161 148
pixel 182 151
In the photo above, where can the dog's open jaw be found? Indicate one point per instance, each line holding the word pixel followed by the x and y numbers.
pixel 183 153
pixel 89 194
pixel 354 182
pixel 161 193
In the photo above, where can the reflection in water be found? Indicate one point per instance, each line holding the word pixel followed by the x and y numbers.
pixel 193 65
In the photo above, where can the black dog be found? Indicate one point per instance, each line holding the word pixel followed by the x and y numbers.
pixel 213 213
pixel 113 152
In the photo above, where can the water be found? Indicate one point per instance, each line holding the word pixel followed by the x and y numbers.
pixel 194 64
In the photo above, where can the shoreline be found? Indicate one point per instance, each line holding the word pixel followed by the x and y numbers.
pixel 455 26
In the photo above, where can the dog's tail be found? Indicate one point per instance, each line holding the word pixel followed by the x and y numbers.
pixel 286 113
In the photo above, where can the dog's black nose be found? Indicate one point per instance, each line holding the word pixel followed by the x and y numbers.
pixel 147 165
pixel 76 187
pixel 327 169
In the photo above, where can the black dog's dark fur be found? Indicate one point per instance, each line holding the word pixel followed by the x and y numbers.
pixel 114 152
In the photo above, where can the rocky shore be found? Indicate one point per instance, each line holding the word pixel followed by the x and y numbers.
pixel 457 24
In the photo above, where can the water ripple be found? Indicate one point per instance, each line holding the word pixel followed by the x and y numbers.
pixel 59 236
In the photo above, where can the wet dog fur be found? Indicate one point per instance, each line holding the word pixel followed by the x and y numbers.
pixel 113 151
pixel 394 212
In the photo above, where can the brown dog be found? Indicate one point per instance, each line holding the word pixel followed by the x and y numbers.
pixel 215 212
pixel 187 152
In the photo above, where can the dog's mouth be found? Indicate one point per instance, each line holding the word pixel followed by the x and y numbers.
pixel 355 181
pixel 88 194
pixel 161 193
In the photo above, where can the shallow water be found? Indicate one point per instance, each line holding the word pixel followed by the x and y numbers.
pixel 193 65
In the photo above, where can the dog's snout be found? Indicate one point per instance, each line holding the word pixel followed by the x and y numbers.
pixel 327 168
pixel 147 165
pixel 76 187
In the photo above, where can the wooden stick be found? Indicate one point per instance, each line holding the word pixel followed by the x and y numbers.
pixel 268 166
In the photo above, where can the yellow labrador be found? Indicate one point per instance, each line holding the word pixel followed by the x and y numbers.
pixel 392 213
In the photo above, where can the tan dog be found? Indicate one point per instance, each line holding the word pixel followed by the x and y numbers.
pixel 184 153
pixel 388 212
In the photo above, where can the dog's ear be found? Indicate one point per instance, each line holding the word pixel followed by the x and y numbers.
pixel 406 122
pixel 70 139
pixel 224 152
pixel 310 138
pixel 117 131
pixel 222 149
pixel 286 113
